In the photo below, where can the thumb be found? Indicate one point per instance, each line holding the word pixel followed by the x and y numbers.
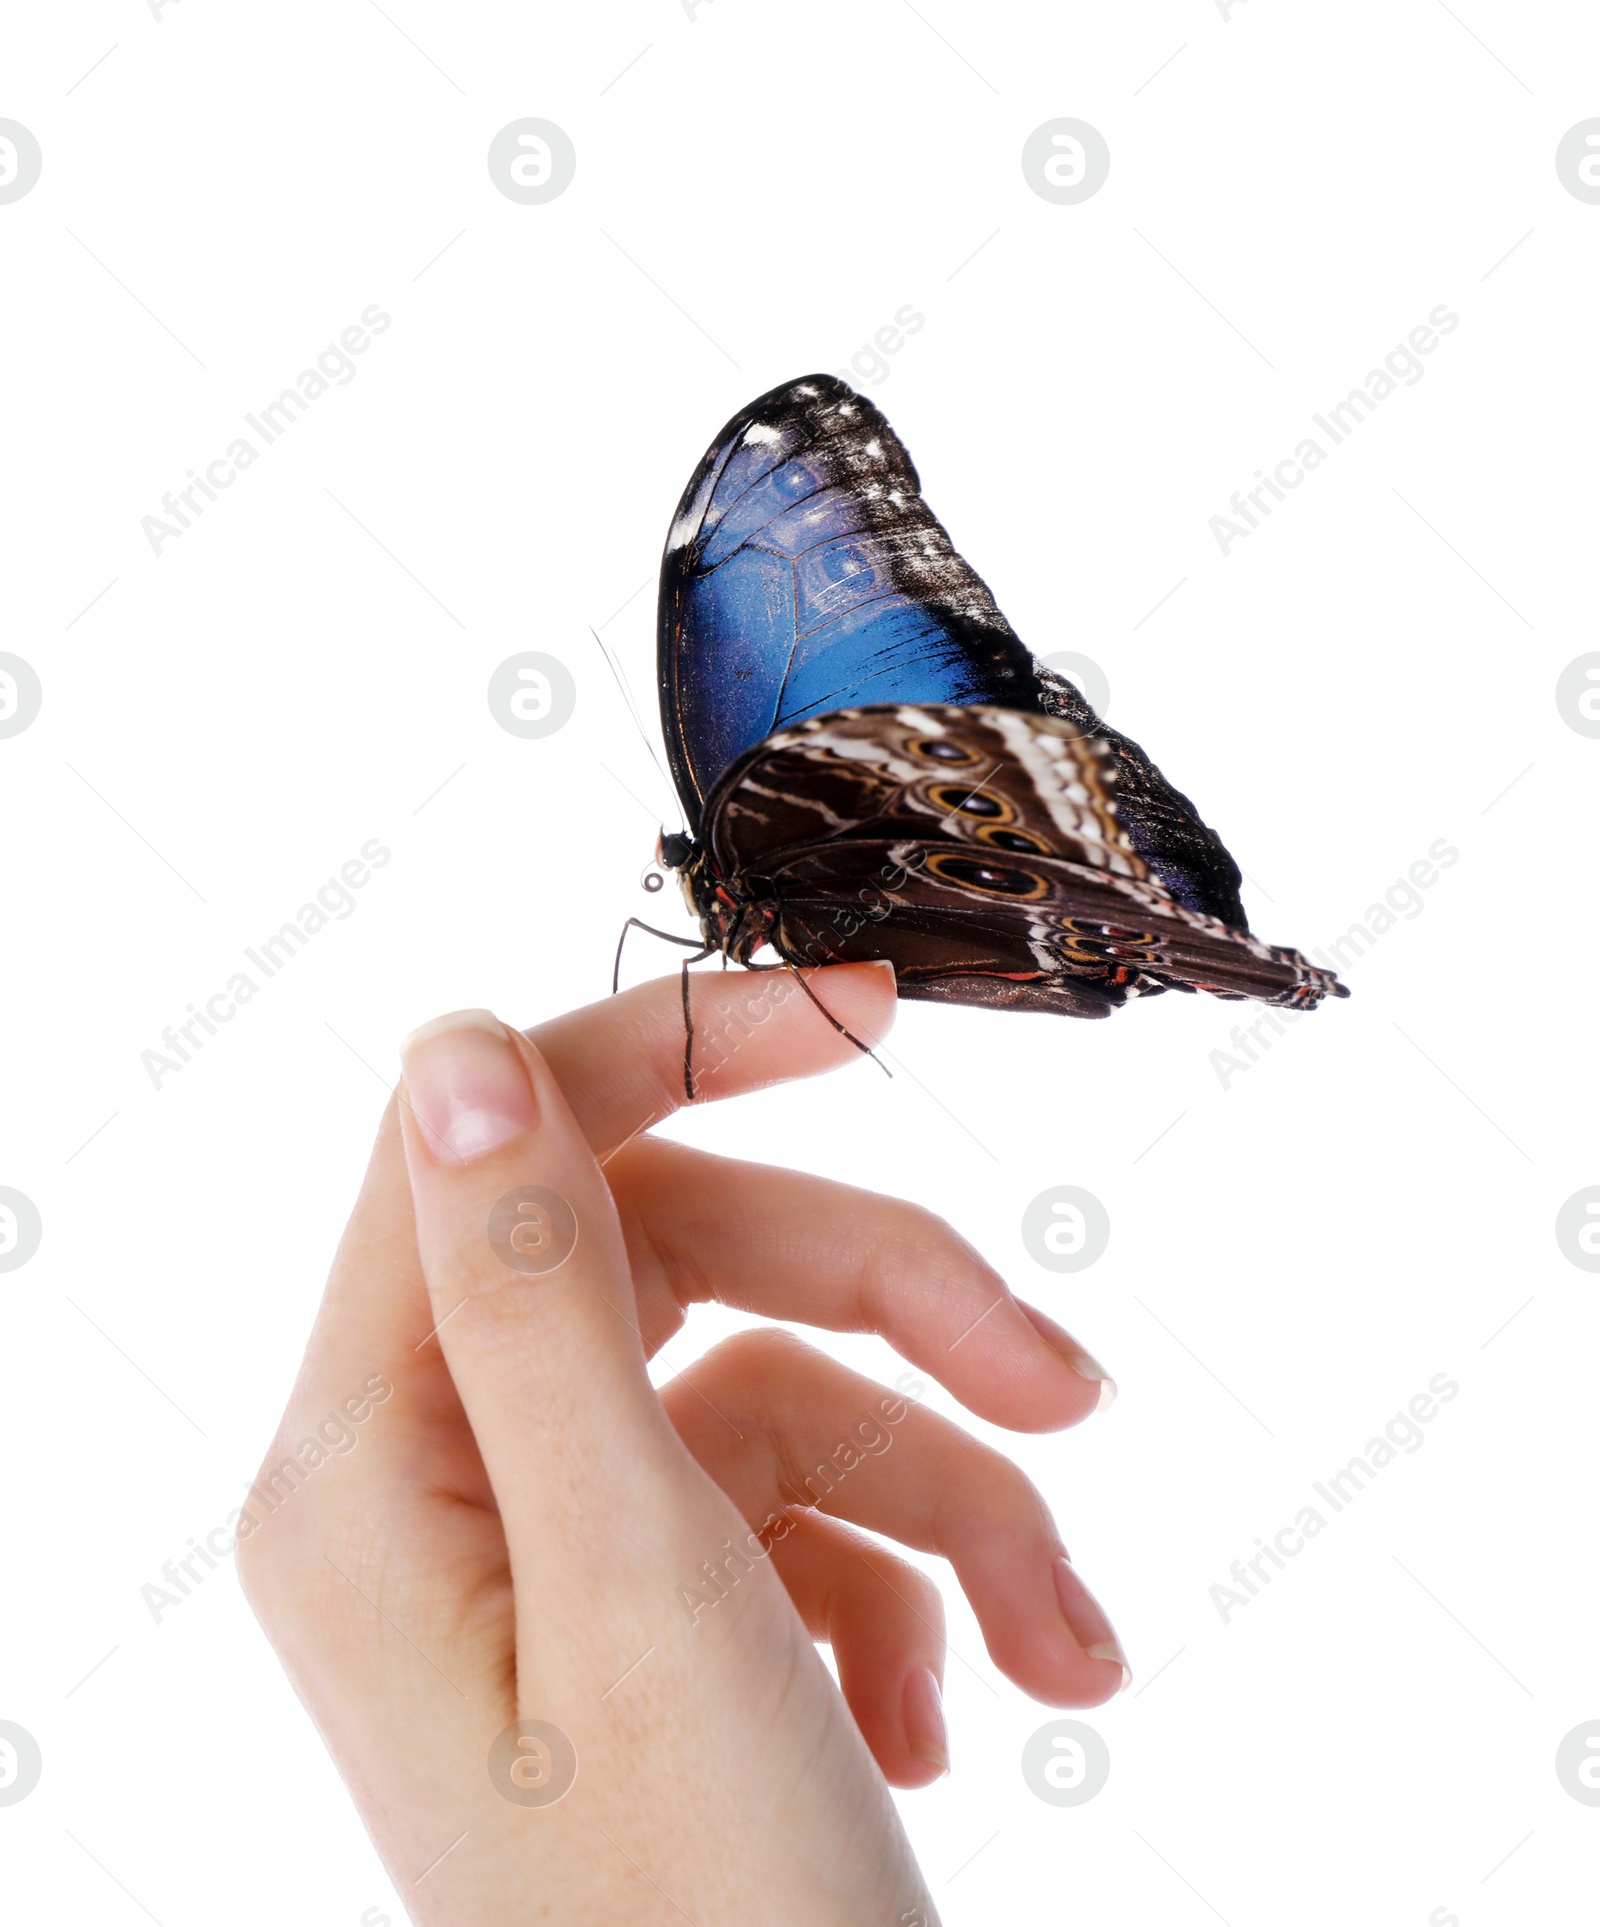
pixel 526 1267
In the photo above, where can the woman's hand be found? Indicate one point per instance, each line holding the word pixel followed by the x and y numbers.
pixel 557 1628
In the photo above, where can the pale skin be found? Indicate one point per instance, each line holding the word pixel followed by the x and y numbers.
pixel 527 1530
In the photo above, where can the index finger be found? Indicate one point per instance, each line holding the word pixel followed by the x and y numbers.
pixel 620 1067
pixel 620 1063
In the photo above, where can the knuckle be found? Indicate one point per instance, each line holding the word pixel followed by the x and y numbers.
pixel 919 1252
pixel 919 1594
pixel 1013 1497
pixel 760 1359
pixel 278 1542
pixel 923 1597
pixel 304 1507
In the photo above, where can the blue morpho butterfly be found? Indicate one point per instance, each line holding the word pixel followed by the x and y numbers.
pixel 872 765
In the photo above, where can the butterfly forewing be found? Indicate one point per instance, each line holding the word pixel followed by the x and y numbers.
pixel 804 573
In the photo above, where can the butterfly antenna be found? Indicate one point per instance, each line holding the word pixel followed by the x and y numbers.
pixel 666 936
pixel 865 1049
pixel 628 703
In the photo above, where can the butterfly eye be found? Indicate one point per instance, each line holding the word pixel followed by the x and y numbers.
pixel 992 879
pixel 937 751
pixel 967 802
pixel 1016 840
pixel 1091 942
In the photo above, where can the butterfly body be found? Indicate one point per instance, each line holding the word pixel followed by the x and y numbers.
pixel 873 765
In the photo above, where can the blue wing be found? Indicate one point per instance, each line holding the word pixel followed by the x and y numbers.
pixel 804 573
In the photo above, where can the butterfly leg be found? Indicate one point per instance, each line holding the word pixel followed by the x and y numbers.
pixel 633 923
pixel 688 1024
pixel 865 1049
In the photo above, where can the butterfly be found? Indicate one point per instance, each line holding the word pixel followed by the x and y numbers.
pixel 872 765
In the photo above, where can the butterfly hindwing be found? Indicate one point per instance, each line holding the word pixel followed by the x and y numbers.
pixel 983 851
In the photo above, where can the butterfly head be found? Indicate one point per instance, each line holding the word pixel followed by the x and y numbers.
pixel 677 850
pixel 731 919
pixel 674 848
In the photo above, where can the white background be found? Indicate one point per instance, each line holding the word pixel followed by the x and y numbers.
pixel 1302 1250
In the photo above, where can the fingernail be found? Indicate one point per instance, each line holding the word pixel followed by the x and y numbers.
pixel 882 963
pixel 1067 1348
pixel 466 1085
pixel 924 1717
pixel 1086 1620
pixel 1089 1367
